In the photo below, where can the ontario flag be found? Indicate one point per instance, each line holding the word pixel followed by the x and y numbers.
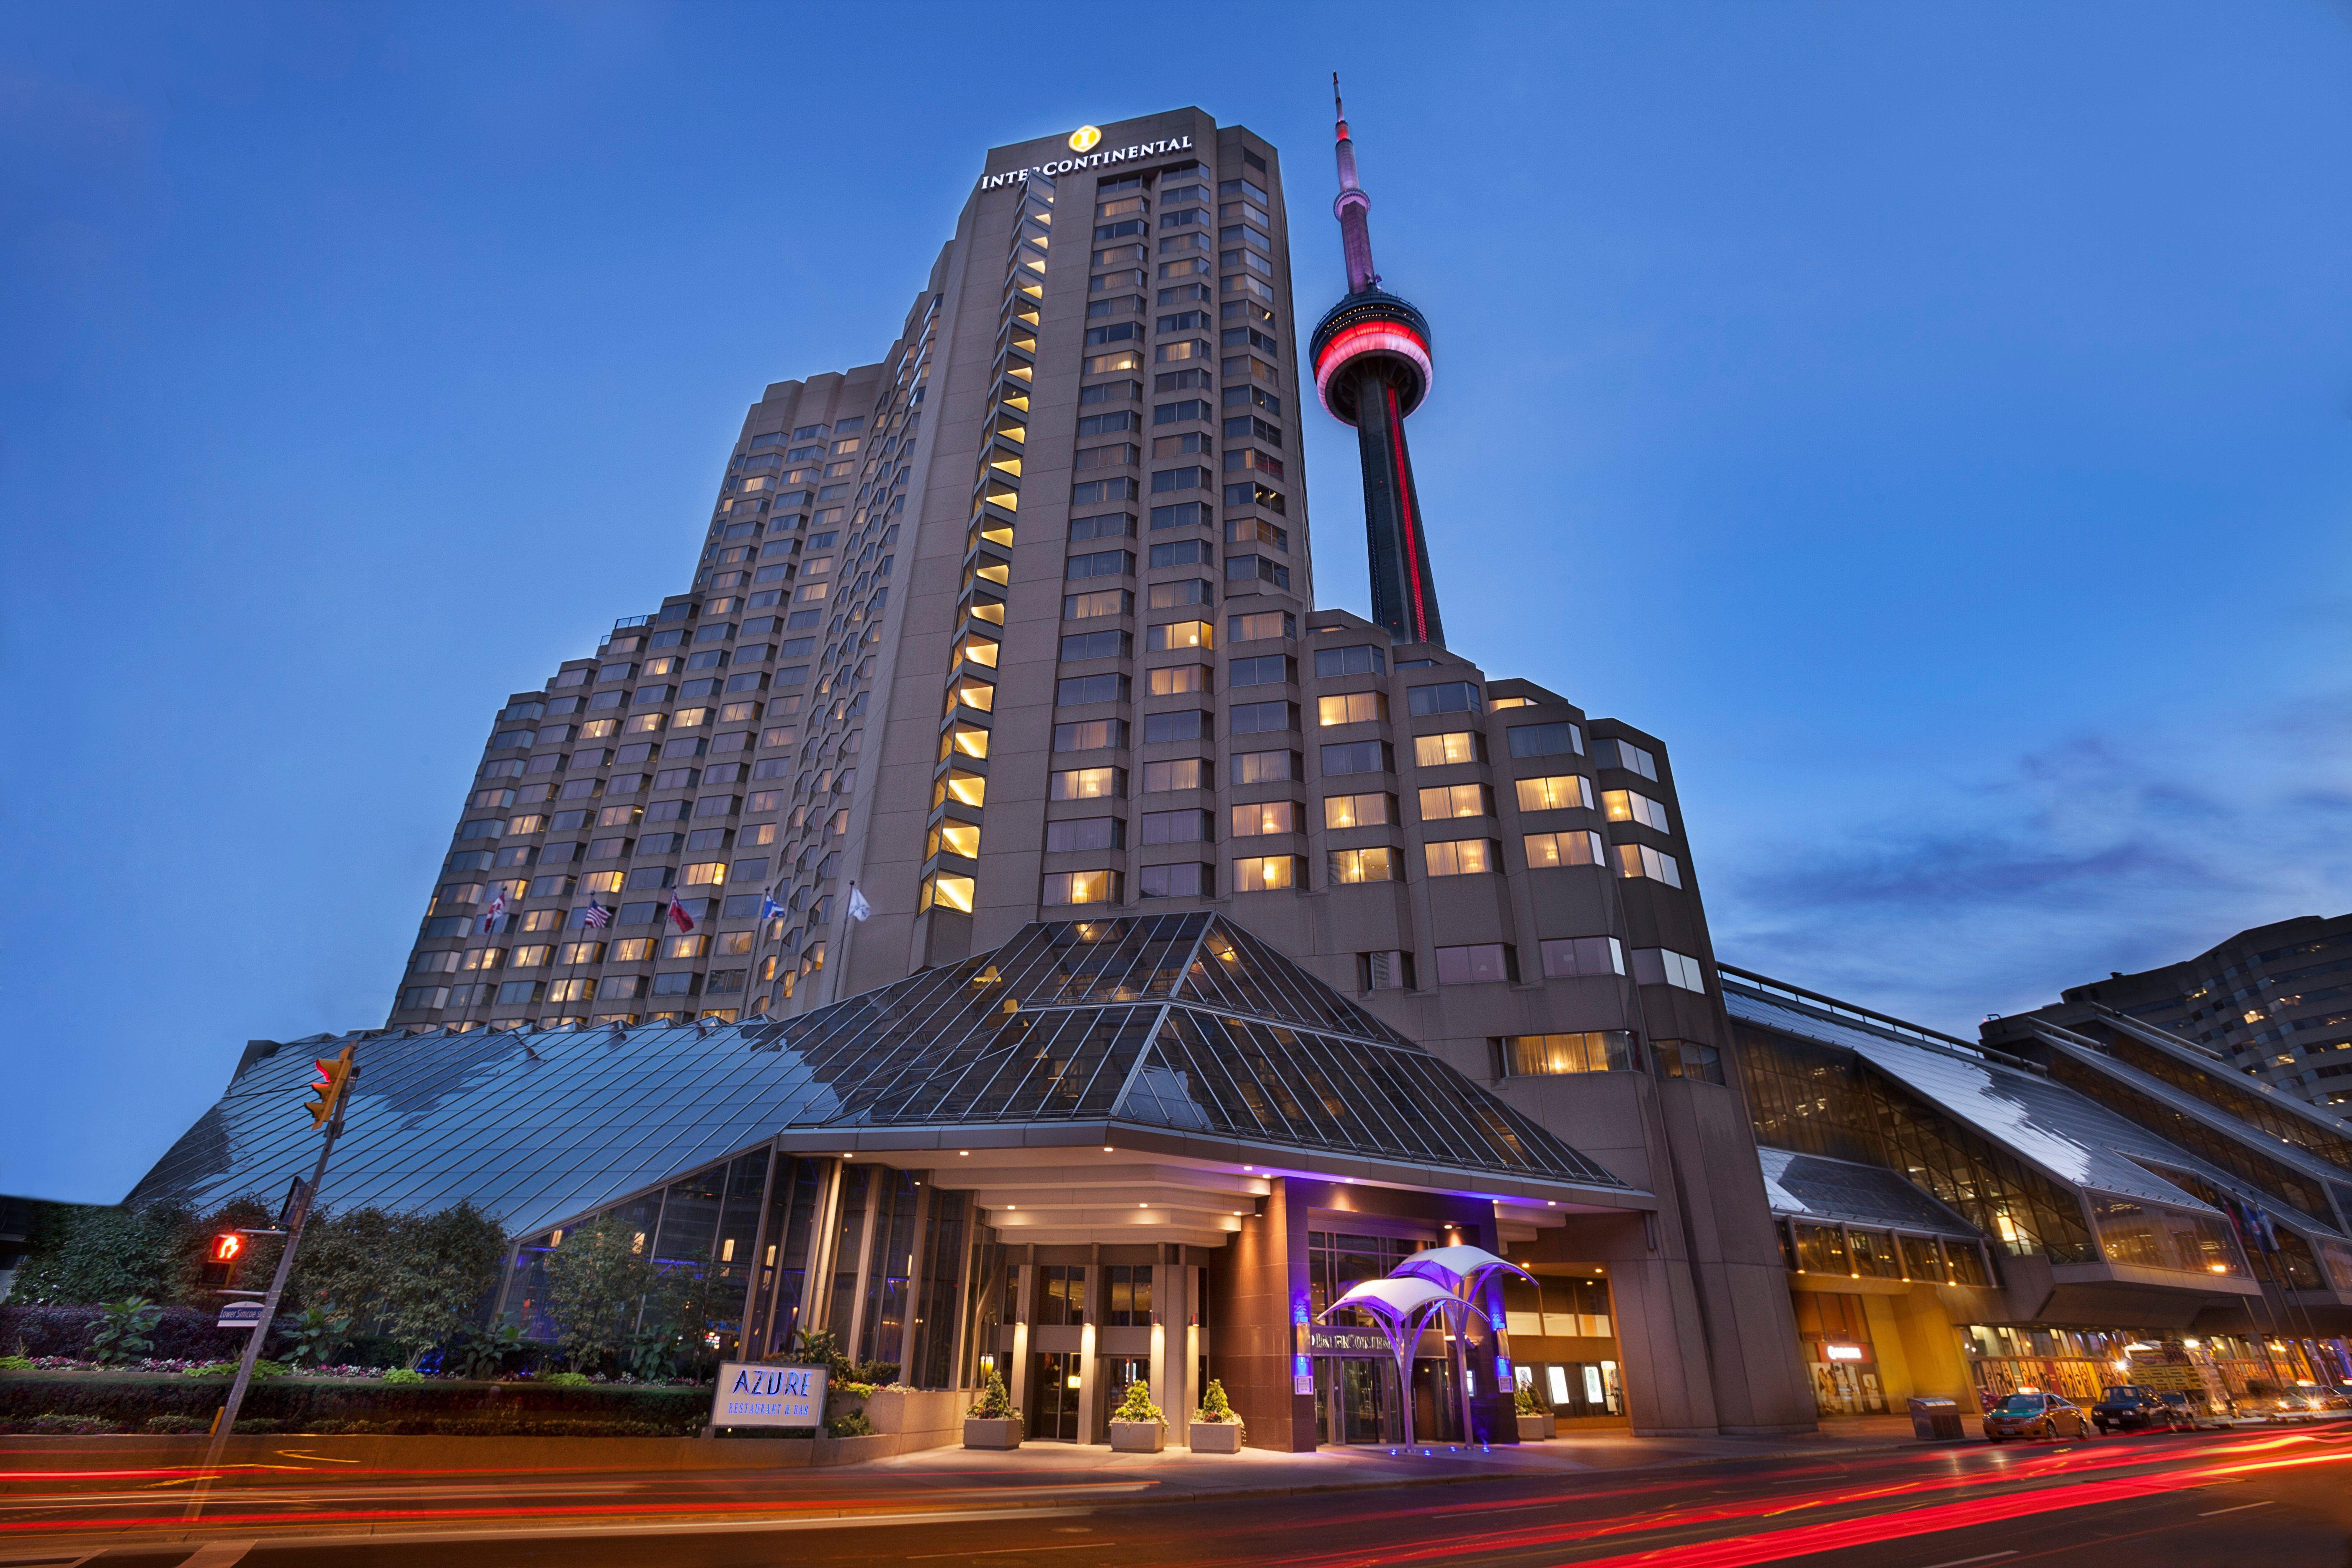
pixel 677 915
pixel 497 907
pixel 596 916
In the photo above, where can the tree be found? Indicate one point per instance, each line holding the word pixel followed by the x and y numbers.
pixel 441 1267
pixel 81 1256
pixel 600 1285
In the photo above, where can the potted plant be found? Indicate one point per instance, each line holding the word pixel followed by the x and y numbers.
pixel 1136 1426
pixel 1536 1422
pixel 1215 1428
pixel 993 1421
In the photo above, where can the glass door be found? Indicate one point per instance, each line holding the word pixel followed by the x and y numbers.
pixel 1054 1397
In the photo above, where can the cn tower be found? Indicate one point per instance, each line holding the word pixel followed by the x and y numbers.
pixel 1371 369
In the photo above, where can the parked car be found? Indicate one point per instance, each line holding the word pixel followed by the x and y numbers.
pixel 2035 1415
pixel 2188 1410
pixel 2134 1408
pixel 2321 1396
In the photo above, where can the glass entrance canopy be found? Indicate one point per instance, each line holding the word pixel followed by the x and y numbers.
pixel 1178 1034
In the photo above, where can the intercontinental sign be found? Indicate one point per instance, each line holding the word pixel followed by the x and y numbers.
pixel 1083 142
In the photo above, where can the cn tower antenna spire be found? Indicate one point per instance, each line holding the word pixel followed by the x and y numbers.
pixel 1353 207
pixel 1373 368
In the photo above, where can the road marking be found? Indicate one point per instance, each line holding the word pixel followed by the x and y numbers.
pixel 219 1554
pixel 1010 1550
pixel 2240 1508
pixel 1964 1562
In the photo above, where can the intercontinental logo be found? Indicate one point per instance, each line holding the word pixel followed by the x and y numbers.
pixel 1083 142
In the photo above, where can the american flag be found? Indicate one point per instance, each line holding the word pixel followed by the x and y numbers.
pixel 596 916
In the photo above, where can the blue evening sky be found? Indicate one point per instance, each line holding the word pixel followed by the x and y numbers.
pixel 1935 421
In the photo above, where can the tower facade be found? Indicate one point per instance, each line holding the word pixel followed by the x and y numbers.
pixel 1373 368
pixel 1016 624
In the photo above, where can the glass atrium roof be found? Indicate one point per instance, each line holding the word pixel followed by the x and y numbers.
pixel 2065 1133
pixel 1835 1192
pixel 1180 1023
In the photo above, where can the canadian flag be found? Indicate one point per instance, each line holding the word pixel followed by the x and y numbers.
pixel 498 907
pixel 677 915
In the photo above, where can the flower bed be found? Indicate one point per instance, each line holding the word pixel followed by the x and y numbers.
pixel 310 1404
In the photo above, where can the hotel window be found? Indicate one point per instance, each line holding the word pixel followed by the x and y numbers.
pixel 1183 553
pixel 1101 564
pixel 1567 957
pixel 1187 880
pixel 1442 801
pixel 1265 874
pixel 1079 646
pixel 1063 888
pixel 1070 691
pixel 1640 860
pixel 1179 595
pixel 1545 1056
pixel 1359 810
pixel 1176 826
pixel 1084 783
pixel 1179 635
pixel 1619 753
pixel 1388 970
pixel 1459 857
pixel 1268 767
pixel 1454 697
pixel 1092 734
pixel 1556 792
pixel 1262 624
pixel 1102 601
pixel 1177 680
pixel 1267 817
pixel 1108 525
pixel 1256 531
pixel 1261 717
pixel 1358 757
pixel 1085 833
pixel 1665 966
pixel 1439 751
pixel 1378 864
pixel 1269 670
pixel 1354 708
pixel 1479 963
pixel 1186 724
pixel 1182 773
pixel 1175 413
pixel 1573 847
pixel 955 838
pixel 1546 740
pixel 947 891
pixel 1688 1059
pixel 1628 806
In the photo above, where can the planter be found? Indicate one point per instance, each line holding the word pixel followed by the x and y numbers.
pixel 1138 1437
pixel 1216 1436
pixel 981 1432
pixel 1536 1429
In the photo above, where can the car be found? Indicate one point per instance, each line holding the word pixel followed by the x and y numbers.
pixel 2321 1396
pixel 2188 1410
pixel 2035 1415
pixel 2134 1407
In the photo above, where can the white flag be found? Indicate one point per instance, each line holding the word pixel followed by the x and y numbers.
pixel 858 908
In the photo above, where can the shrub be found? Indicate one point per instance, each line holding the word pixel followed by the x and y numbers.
pixel 176 1426
pixel 306 1403
pixel 67 1422
pixel 1138 1405
pixel 849 1424
pixel 15 1364
pixel 1527 1402
pixel 400 1375
pixel 994 1403
pixel 1215 1408
pixel 318 1334
pixel 126 1331
pixel 260 1426
pixel 263 1368
pixel 566 1380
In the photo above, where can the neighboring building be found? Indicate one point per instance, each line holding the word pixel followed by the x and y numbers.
pixel 1012 635
pixel 2048 1209
pixel 2274 1002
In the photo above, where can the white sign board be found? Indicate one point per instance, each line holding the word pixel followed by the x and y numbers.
pixel 751 1393
pixel 239 1315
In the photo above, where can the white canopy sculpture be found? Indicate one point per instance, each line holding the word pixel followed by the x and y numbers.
pixel 1465 1271
pixel 1403 1307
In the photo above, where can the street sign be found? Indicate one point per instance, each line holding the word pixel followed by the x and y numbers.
pixel 752 1395
pixel 239 1315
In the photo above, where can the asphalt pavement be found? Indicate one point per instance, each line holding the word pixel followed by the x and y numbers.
pixel 2269 1498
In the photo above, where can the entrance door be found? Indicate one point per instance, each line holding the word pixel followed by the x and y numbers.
pixel 1359 1402
pixel 1054 1397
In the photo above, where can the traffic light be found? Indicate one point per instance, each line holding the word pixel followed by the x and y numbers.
pixel 334 1076
pixel 222 1256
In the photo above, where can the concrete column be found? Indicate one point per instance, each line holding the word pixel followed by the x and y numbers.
pixel 1017 1376
pixel 1171 1376
pixel 1090 1428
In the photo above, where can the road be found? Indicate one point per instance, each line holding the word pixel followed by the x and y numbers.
pixel 2239 1500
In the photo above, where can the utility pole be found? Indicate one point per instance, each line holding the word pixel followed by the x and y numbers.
pixel 333 1092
